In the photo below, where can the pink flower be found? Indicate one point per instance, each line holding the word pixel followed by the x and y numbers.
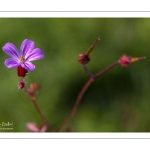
pixel 31 126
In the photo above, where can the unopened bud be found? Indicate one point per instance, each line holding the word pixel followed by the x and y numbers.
pixel 83 59
pixel 21 84
pixel 127 60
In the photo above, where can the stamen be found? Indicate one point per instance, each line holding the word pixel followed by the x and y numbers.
pixel 22 59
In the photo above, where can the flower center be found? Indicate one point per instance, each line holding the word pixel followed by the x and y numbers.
pixel 22 59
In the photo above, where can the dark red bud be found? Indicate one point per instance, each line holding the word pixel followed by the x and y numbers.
pixel 83 59
pixel 21 84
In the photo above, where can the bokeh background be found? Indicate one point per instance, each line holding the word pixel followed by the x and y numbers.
pixel 118 101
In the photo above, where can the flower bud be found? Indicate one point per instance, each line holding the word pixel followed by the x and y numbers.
pixel 83 59
pixel 127 60
pixel 21 84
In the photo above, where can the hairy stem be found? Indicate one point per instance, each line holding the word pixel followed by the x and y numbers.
pixel 81 93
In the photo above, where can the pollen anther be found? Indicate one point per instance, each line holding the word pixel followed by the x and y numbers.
pixel 22 59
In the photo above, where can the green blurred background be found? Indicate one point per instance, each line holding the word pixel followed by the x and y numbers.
pixel 118 101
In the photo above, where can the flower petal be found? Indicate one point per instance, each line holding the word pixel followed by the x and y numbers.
pixel 43 128
pixel 26 47
pixel 31 126
pixel 11 50
pixel 12 63
pixel 28 66
pixel 36 54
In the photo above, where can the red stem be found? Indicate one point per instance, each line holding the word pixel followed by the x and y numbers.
pixel 83 90
pixel 87 71
pixel 38 110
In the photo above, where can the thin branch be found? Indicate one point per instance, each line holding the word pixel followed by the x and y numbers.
pixel 106 69
pixel 38 109
pixel 87 71
pixel 83 90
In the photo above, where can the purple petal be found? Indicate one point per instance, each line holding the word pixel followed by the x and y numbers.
pixel 11 50
pixel 26 47
pixel 36 54
pixel 12 63
pixel 28 66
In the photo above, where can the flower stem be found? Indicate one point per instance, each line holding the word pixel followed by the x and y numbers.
pixel 87 71
pixel 38 110
pixel 81 93
pixel 106 69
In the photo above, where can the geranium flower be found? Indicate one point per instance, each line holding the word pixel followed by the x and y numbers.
pixel 22 59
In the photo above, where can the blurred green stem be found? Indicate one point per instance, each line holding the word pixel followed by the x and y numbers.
pixel 83 90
